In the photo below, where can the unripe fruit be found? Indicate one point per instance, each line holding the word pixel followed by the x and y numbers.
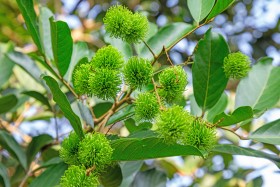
pixel 236 65
pixel 173 81
pixel 76 176
pixel 95 150
pixel 107 57
pixel 146 106
pixel 104 83
pixel 200 135
pixel 137 72
pixel 80 76
pixel 69 149
pixel 173 123
pixel 122 23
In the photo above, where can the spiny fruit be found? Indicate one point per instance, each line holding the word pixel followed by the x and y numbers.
pixel 69 149
pixel 173 81
pixel 122 23
pixel 95 150
pixel 108 57
pixel 236 65
pixel 76 176
pixel 173 123
pixel 137 72
pixel 146 106
pixel 80 78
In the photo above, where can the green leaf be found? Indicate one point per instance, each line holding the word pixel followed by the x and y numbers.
pixel 150 177
pixel 62 45
pixel 132 127
pixel 27 64
pixel 60 98
pixel 6 64
pixel 269 133
pixel 129 170
pixel 209 80
pixel 112 176
pixel 50 177
pixel 220 6
pixel 127 149
pixel 7 103
pixel 10 144
pixel 260 89
pixel 122 114
pixel 239 115
pixel 85 114
pixel 122 46
pixel 45 31
pixel 27 9
pixel 236 150
pixel 101 108
pixel 200 8
pixel 167 36
pixel 38 96
pixel 35 146
pixel 80 53
pixel 4 175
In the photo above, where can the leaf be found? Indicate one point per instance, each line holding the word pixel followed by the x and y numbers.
pixel 85 113
pixel 27 64
pixel 150 177
pixel 122 46
pixel 80 53
pixel 219 7
pixel 7 103
pixel 132 127
pixel 260 89
pixel 269 133
pixel 27 9
pixel 112 176
pixel 62 45
pixel 239 115
pixel 35 146
pixel 122 114
pixel 236 150
pixel 209 80
pixel 126 149
pixel 50 177
pixel 199 9
pixel 4 177
pixel 10 144
pixel 6 64
pixel 45 31
pixel 38 96
pixel 129 170
pixel 167 36
pixel 101 108
pixel 60 98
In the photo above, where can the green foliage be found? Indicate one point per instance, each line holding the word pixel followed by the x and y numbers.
pixel 104 83
pixel 200 135
pixel 69 149
pixel 236 65
pixel 173 82
pixel 80 79
pixel 137 72
pixel 122 23
pixel 108 57
pixel 95 151
pixel 76 176
pixel 146 106
pixel 172 124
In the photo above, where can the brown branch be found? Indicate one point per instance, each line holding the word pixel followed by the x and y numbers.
pixel 157 95
pixel 232 131
pixel 150 49
pixel 167 56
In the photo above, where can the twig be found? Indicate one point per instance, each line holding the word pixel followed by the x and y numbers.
pixel 150 49
pixel 230 130
pixel 157 95
pixel 167 56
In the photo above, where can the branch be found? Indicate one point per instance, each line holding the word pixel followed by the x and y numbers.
pixel 167 56
pixel 232 131
pixel 150 49
pixel 157 95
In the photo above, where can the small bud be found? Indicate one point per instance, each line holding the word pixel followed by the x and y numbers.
pixel 69 149
pixel 173 81
pixel 236 65
pixel 200 135
pixel 76 176
pixel 104 83
pixel 95 150
pixel 80 78
pixel 173 123
pixel 108 57
pixel 146 106
pixel 137 72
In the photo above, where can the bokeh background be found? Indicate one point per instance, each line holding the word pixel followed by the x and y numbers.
pixel 250 26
